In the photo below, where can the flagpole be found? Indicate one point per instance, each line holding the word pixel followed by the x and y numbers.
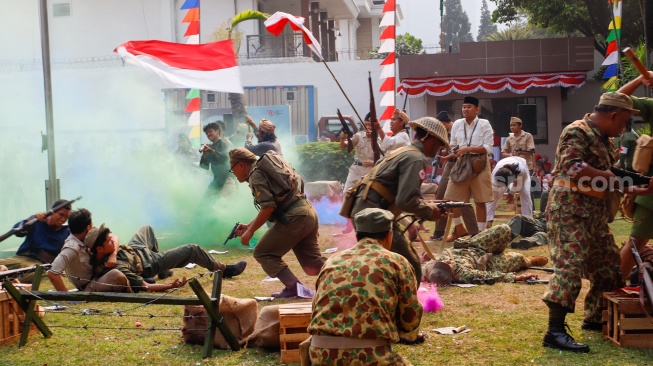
pixel 617 32
pixel 342 90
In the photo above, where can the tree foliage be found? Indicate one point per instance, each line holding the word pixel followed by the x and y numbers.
pixel 405 44
pixel 455 25
pixel 520 31
pixel 486 26
pixel 589 17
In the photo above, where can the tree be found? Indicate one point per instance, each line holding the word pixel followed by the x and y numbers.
pixel 226 31
pixel 455 25
pixel 591 18
pixel 486 27
pixel 520 31
pixel 405 44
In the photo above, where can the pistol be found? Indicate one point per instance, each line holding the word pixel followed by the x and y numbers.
pixel 232 234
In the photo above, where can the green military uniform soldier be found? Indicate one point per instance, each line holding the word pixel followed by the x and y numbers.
pixel 582 245
pixel 394 184
pixel 480 258
pixel 295 221
pixel 627 145
pixel 365 300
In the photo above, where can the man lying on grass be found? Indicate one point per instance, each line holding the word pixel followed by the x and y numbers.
pixel 141 260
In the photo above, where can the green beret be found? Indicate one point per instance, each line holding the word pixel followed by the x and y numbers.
pixel 373 220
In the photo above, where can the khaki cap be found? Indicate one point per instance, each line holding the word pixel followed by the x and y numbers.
pixel 515 120
pixel 433 127
pixel 241 155
pixel 618 100
pixel 373 220
pixel 92 235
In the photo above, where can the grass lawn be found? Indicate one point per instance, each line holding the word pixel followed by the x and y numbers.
pixel 507 323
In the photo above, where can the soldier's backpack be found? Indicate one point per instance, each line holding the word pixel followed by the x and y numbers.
pixel 643 154
pixel 282 173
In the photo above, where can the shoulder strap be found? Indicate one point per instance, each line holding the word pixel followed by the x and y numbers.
pixel 369 178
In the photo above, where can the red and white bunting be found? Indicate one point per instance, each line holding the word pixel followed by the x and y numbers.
pixel 387 38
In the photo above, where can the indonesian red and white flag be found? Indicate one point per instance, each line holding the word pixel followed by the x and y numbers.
pixel 277 21
pixel 208 66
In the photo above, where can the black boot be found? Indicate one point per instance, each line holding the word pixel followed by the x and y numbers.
pixel 233 270
pixel 557 337
pixel 592 326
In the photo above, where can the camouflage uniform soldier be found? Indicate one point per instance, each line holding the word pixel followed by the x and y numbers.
pixel 480 257
pixel 394 183
pixel 295 221
pixel 581 242
pixel 366 299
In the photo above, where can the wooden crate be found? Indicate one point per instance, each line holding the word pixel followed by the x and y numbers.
pixel 625 323
pixel 11 318
pixel 293 321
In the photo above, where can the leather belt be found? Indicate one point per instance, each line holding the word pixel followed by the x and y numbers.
pixel 356 162
pixel 331 342
pixel 575 187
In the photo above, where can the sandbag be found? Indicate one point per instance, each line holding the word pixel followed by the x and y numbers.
pixel 239 314
pixel 266 332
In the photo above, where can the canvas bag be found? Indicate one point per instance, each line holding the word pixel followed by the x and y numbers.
pixel 468 166
pixel 643 154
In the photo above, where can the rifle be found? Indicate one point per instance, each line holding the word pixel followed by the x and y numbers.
pixel 448 205
pixel 345 128
pixel 533 282
pixel 32 220
pixel 550 270
pixel 232 234
pixel 636 62
pixel 453 150
pixel 13 273
pixel 637 179
pixel 375 144
pixel 645 283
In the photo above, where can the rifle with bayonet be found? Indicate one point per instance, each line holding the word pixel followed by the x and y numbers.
pixel 346 130
pixel 15 273
pixel 645 283
pixel 450 205
pixel 232 234
pixel 375 144
pixel 30 221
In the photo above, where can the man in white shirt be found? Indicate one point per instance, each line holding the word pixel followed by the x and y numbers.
pixel 510 170
pixel 399 137
pixel 473 136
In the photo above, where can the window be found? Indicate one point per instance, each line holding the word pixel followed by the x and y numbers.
pixel 210 98
pixel 61 9
pixel 531 110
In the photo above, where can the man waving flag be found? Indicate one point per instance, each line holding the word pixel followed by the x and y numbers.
pixel 208 66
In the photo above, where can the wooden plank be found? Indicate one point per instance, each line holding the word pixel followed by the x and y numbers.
pixel 112 297
pixel 290 356
pixel 294 321
pixel 630 308
pixel 294 337
pixel 635 324
pixel 637 340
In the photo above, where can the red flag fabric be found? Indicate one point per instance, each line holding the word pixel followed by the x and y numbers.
pixel 389 6
pixel 277 21
pixel 193 106
pixel 193 29
pixel 208 66
pixel 388 85
pixel 388 32
pixel 389 60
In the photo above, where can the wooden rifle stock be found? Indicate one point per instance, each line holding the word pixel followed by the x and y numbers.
pixel 347 131
pixel 375 144
pixel 630 54
pixel 645 284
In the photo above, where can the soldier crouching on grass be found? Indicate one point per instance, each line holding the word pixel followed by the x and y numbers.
pixel 365 300
pixel 582 245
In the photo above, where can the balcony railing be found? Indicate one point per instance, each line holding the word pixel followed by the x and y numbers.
pixel 268 46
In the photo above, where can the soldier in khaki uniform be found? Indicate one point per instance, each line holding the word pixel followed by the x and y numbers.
pixel 295 223
pixel 581 243
pixel 343 332
pixel 394 183
pixel 520 144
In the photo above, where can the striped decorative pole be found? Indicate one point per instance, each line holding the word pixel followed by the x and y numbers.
pixel 193 96
pixel 612 51
pixel 387 77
